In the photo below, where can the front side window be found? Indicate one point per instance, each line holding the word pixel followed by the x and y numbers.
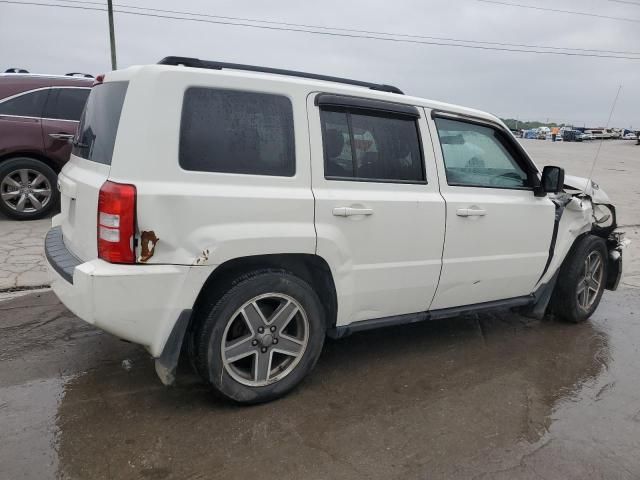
pixel 26 105
pixel 475 156
pixel 66 103
pixel 371 146
pixel 229 131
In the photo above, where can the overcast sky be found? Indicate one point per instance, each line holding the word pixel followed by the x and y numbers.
pixel 527 86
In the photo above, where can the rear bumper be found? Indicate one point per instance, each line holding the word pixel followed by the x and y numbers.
pixel 138 303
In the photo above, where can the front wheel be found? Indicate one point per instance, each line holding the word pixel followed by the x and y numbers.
pixel 261 338
pixel 581 280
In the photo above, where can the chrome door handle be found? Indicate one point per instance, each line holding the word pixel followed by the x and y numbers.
pixel 349 211
pixel 471 212
pixel 61 136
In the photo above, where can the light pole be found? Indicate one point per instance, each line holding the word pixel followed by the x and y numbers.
pixel 112 36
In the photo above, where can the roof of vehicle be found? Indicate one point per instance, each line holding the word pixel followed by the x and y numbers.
pixel 14 83
pixel 312 84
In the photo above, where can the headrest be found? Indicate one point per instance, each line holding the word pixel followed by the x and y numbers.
pixel 334 142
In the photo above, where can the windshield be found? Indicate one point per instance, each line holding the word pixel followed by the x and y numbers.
pixel 99 123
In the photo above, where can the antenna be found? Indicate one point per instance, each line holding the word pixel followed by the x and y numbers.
pixel 595 159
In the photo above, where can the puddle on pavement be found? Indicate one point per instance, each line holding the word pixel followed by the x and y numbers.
pixel 499 395
pixel 28 425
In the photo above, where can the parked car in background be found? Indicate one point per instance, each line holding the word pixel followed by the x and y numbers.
pixel 595 134
pixel 630 136
pixel 245 216
pixel 588 136
pixel 39 115
pixel 603 133
pixel 543 132
pixel 572 136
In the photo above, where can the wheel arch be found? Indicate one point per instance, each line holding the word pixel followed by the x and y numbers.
pixel 311 268
pixel 32 155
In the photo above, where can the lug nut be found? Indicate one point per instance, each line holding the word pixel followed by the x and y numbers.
pixel 273 328
pixel 254 342
pixel 264 349
pixel 260 330
pixel 275 340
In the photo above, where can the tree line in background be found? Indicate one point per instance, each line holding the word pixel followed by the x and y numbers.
pixel 514 124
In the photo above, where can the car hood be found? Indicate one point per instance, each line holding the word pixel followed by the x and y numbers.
pixel 592 188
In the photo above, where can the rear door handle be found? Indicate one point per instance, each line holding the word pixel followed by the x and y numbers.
pixel 471 212
pixel 349 211
pixel 61 136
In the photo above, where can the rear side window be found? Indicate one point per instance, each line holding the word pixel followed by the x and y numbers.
pixel 377 147
pixel 66 103
pixel 99 123
pixel 230 131
pixel 26 105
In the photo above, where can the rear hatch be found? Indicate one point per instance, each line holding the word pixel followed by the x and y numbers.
pixel 88 168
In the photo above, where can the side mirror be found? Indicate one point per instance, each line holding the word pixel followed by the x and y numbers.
pixel 552 179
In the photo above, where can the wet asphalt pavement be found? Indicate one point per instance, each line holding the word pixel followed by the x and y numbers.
pixel 490 396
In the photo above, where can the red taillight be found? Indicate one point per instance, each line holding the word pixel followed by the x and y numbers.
pixel 116 222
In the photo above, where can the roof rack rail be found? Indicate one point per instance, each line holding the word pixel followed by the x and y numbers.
pixel 16 70
pixel 197 63
pixel 78 74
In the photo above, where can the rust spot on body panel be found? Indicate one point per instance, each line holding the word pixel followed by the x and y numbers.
pixel 203 257
pixel 148 242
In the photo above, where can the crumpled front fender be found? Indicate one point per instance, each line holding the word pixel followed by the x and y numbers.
pixel 589 187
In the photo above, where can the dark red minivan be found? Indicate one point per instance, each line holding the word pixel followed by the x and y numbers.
pixel 39 114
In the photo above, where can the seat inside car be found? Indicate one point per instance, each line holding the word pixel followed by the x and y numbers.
pixel 334 144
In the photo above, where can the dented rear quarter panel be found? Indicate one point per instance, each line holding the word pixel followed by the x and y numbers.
pixel 204 218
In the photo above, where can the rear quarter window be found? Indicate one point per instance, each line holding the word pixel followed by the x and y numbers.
pixel 99 122
pixel 230 131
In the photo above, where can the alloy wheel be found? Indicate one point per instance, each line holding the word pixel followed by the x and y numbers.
pixel 25 190
pixel 265 339
pixel 590 281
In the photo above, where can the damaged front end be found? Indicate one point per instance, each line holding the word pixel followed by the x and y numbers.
pixel 583 207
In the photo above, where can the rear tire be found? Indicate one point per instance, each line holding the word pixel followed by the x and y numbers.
pixel 581 280
pixel 261 338
pixel 28 189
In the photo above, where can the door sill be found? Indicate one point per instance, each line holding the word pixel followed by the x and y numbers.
pixel 342 331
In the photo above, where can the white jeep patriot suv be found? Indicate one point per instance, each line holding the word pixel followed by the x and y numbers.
pixel 244 213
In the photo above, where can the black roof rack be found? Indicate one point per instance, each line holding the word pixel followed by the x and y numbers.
pixel 197 63
pixel 16 70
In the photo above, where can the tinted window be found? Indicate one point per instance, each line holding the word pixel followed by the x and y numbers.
pixel 99 123
pixel 372 147
pixel 337 145
pixel 237 132
pixel 26 105
pixel 66 103
pixel 474 155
